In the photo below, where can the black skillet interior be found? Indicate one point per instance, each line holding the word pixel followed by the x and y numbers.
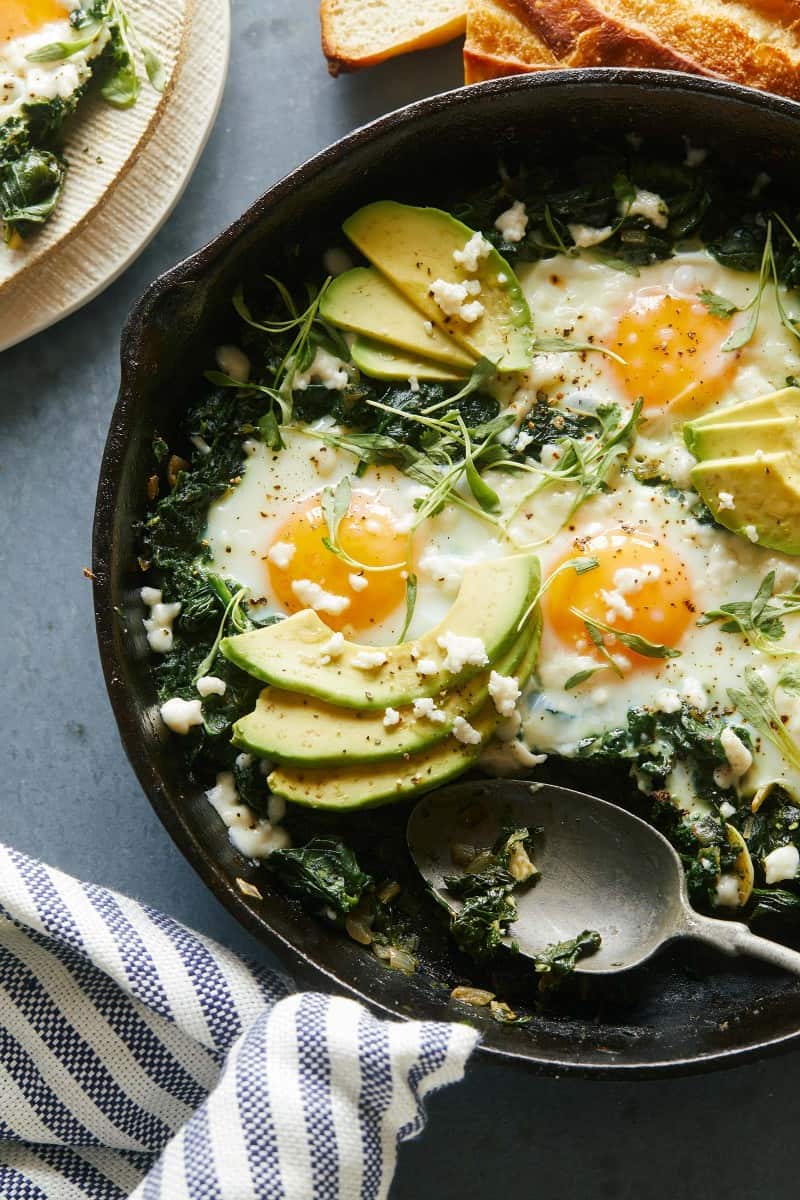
pixel 686 1011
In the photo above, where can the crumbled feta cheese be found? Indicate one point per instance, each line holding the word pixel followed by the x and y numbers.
pixel 630 580
pixel 728 891
pixel 357 582
pixel 781 864
pixel 234 363
pixel 243 761
pixel 751 533
pixel 726 500
pixel 250 835
pixel 331 649
pixel 281 554
pixel 426 667
pixel 503 758
pixel 513 223
pixel 586 235
pixel 461 652
pixel 428 327
pixel 505 692
pixel 313 596
pixel 740 760
pixel 391 717
pixel 426 709
pixel 726 810
pixel 445 569
pixel 463 732
pixel 180 715
pixel 369 660
pixel 336 261
pixel 617 606
pixel 523 440
pixel 413 383
pixel 211 685
pixel 159 624
pixel 667 700
pixel 326 369
pixel 453 299
pixel 648 205
pixel 694 693
pixel 470 257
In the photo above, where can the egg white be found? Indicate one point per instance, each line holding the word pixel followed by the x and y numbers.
pixel 23 82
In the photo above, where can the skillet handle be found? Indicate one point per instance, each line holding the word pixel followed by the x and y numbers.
pixel 732 937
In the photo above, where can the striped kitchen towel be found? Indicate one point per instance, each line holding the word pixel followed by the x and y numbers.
pixel 140 1059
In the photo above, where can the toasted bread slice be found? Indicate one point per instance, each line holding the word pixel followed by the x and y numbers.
pixel 501 41
pixel 361 33
pixel 756 44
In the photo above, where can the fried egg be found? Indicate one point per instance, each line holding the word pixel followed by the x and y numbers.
pixel 269 533
pixel 26 26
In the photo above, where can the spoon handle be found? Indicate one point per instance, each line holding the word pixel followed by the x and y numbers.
pixel 732 937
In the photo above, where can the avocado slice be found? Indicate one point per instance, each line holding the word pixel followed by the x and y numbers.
pixel 384 362
pixel 766 497
pixel 364 301
pixel 343 788
pixel 782 404
pixel 414 248
pixel 492 600
pixel 291 728
pixel 733 439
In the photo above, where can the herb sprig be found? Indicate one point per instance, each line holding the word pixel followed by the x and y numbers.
pixel 757 705
pixel 759 620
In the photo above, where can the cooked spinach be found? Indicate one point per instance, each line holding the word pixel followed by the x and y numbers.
pixel 555 962
pixel 777 823
pixel 323 874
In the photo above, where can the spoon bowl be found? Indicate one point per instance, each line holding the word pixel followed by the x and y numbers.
pixel 600 868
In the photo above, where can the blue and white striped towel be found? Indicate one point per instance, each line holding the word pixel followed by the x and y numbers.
pixel 140 1059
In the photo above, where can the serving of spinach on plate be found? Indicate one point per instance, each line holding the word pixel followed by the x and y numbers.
pixel 339 869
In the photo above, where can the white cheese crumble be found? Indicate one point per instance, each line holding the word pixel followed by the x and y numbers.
pixel 369 660
pixel 505 692
pixel 740 760
pixel 728 891
pixel 250 835
pixel 505 757
pixel 630 580
pixel 726 810
pixel 586 235
pixel 726 500
pixel 313 596
pixel 781 864
pixel 463 732
pixel 513 223
pixel 391 717
pixel 694 693
pixel 425 709
pixel 453 299
pixel 667 700
pixel 648 205
pixel 233 362
pixel 281 554
pixel 445 569
pixel 751 533
pixel 357 582
pixel 159 624
pixel 426 667
pixel 326 369
pixel 428 327
pixel 211 685
pixel 180 715
pixel 331 649
pixel 470 257
pixel 413 383
pixel 461 652
pixel 617 606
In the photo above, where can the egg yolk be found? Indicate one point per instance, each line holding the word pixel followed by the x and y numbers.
pixel 673 353
pixel 638 586
pixel 305 574
pixel 18 17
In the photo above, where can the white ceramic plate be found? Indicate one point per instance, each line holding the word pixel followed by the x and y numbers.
pixel 144 178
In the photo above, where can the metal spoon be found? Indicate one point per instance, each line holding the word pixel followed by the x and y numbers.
pixel 601 868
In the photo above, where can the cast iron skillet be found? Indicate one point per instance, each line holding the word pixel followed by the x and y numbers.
pixel 685 1012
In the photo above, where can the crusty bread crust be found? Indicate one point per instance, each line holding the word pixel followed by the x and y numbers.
pixel 500 41
pixel 345 52
pixel 711 39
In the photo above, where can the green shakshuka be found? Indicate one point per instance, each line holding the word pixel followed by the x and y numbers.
pixel 515 483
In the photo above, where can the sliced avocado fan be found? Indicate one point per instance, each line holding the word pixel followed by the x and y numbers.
pixel 288 727
pixel 297 655
pixel 748 471
pixel 416 249
pixel 384 362
pixel 352 787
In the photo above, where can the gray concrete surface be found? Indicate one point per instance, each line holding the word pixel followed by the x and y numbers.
pixel 69 796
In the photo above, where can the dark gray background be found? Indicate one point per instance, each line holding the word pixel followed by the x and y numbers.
pixel 70 797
